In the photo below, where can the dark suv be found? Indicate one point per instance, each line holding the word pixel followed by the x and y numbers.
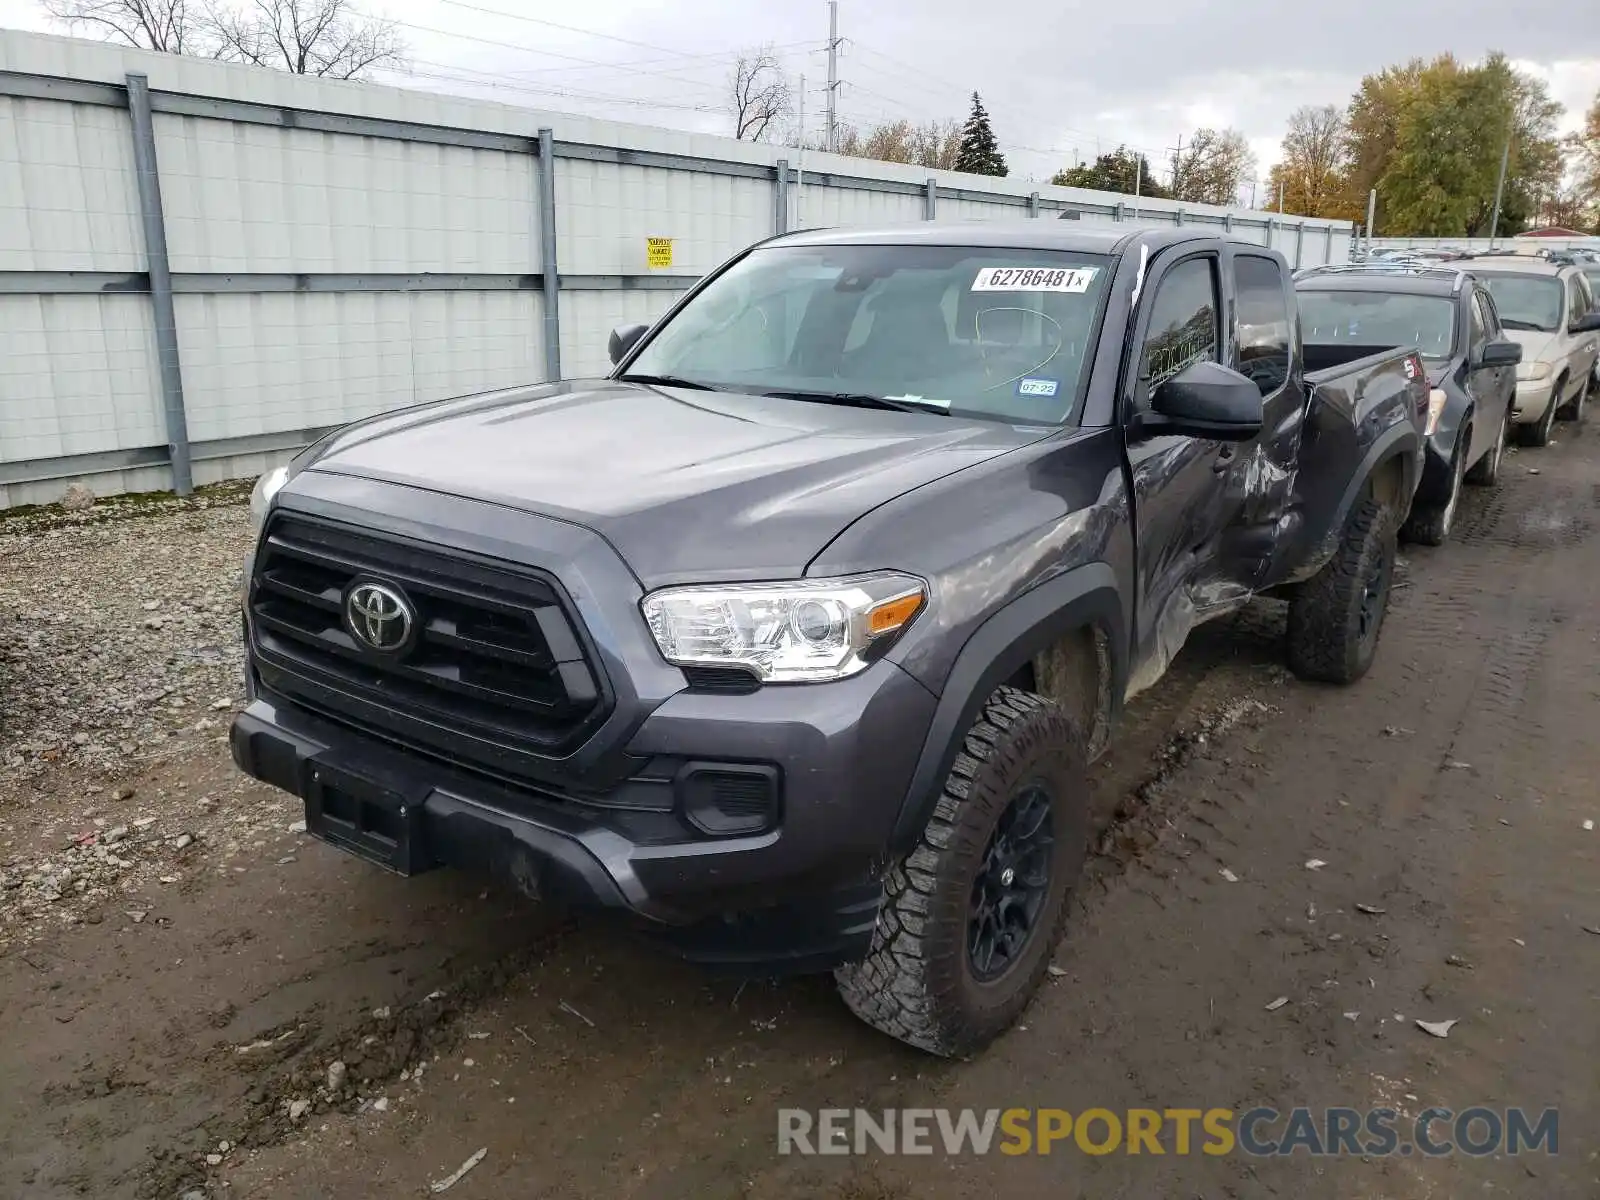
pixel 791 638
pixel 1450 317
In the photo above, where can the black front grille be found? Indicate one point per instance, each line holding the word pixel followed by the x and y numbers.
pixel 496 659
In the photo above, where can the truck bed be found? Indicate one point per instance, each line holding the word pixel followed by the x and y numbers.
pixel 1326 361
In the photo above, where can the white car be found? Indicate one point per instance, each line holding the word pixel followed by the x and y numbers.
pixel 1591 272
pixel 1549 310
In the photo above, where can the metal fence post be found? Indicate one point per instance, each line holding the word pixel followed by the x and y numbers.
pixel 930 200
pixel 155 249
pixel 1117 210
pixel 780 198
pixel 548 270
pixel 1328 256
pixel 1033 204
pixel 1179 218
pixel 1227 222
pixel 1299 241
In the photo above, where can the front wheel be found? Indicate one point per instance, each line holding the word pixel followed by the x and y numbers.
pixel 969 918
pixel 1431 524
pixel 1538 434
pixel 1336 615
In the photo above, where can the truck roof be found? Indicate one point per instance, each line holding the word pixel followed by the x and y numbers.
pixel 1034 233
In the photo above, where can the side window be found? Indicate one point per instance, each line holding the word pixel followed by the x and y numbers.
pixel 1480 325
pixel 1263 322
pixel 1183 324
pixel 1583 298
pixel 1485 306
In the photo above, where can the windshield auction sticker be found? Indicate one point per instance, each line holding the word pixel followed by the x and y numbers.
pixel 1034 279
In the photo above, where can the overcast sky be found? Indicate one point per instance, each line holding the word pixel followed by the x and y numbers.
pixel 1059 79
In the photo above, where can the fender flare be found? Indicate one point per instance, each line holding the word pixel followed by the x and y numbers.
pixel 1400 440
pixel 1007 641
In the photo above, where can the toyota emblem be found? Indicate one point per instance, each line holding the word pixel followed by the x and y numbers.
pixel 380 617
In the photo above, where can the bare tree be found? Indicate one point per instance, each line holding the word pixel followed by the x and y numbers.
pixel 172 26
pixel 328 38
pixel 1211 167
pixel 758 94
pixel 932 144
pixel 1313 176
pixel 305 37
pixel 937 144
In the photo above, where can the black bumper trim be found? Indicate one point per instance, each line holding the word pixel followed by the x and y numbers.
pixel 570 858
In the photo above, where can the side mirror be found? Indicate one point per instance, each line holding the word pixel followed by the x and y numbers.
pixel 1587 323
pixel 1503 353
pixel 1206 400
pixel 623 339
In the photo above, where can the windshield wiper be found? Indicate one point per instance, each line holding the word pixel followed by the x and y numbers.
pixel 1513 323
pixel 670 381
pixel 860 400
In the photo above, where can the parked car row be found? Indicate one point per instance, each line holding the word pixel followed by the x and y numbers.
pixel 1511 344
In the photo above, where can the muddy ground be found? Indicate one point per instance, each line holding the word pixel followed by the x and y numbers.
pixel 168 1026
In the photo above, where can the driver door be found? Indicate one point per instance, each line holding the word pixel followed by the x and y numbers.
pixel 1179 501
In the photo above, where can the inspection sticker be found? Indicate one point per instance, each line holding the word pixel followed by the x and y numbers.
pixel 1037 387
pixel 1034 279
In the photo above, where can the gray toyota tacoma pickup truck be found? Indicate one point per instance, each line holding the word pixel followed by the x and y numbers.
pixel 791 639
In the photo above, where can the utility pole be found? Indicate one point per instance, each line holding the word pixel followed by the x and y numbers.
pixel 1499 189
pixel 1253 183
pixel 1177 158
pixel 1372 212
pixel 833 75
pixel 1138 179
pixel 800 169
pixel 1280 197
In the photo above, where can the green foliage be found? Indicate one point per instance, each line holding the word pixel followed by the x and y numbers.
pixel 1429 137
pixel 1117 171
pixel 980 152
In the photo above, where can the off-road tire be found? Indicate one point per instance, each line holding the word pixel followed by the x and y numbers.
pixel 1538 434
pixel 1486 471
pixel 1326 637
pixel 916 982
pixel 1431 524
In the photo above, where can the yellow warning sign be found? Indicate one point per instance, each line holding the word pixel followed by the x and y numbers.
pixel 658 252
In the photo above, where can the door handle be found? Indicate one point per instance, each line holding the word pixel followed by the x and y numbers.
pixel 1224 459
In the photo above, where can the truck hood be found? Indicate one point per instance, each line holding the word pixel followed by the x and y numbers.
pixel 686 485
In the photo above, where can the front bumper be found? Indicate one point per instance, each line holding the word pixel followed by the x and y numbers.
pixel 801 894
pixel 1532 400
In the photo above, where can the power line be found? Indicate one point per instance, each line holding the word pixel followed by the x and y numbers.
pixel 721 55
pixel 501 43
pixel 481 79
pixel 594 33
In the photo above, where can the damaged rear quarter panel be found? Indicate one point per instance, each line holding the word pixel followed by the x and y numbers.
pixel 1358 418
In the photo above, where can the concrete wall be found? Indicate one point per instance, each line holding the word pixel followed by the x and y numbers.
pixel 339 249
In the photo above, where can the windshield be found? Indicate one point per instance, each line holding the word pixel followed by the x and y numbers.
pixel 1000 333
pixel 1525 301
pixel 1591 272
pixel 1380 319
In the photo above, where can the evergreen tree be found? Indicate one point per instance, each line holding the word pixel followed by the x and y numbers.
pixel 979 153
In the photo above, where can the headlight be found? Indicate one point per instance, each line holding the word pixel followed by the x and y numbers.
pixel 799 632
pixel 1533 370
pixel 1436 400
pixel 266 488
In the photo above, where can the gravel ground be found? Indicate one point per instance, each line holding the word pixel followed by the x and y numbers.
pixel 119 653
pixel 201 1003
